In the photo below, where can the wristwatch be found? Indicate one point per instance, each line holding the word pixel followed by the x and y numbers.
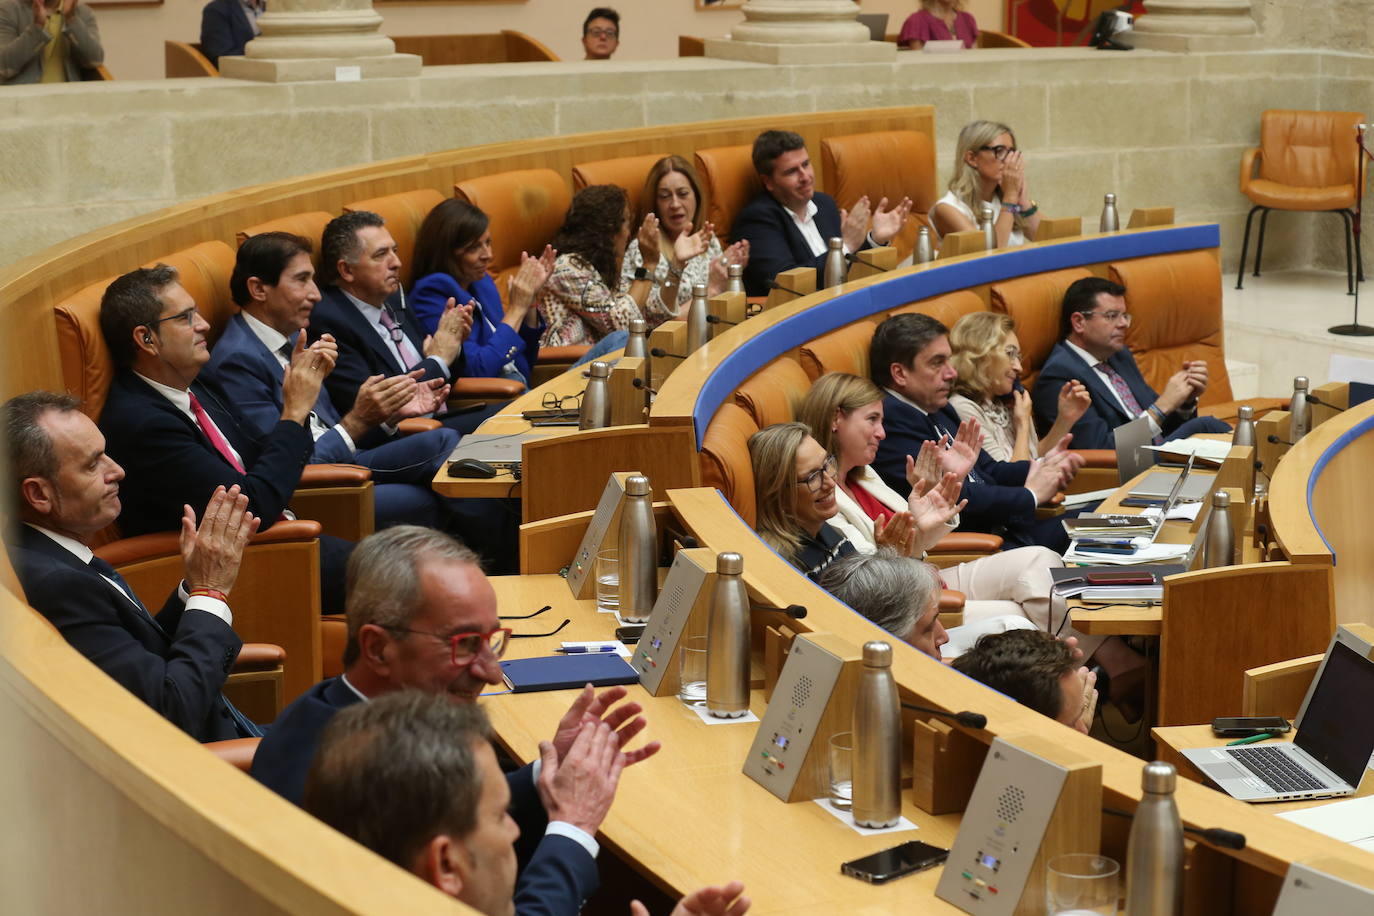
pixel 641 273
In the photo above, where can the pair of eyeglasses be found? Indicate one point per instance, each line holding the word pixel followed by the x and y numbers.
pixel 1112 317
pixel 468 645
pixel 552 401
pixel 603 33
pixel 189 316
pixel 829 469
pixel 999 151
pixel 1014 354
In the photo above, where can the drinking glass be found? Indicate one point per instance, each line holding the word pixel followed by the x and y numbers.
pixel 608 580
pixel 1081 884
pixel 692 670
pixel 842 770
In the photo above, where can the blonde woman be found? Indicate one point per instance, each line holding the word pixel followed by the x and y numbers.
pixel 987 356
pixel 938 20
pixel 988 168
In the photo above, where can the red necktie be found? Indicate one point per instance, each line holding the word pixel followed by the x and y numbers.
pixel 398 337
pixel 212 433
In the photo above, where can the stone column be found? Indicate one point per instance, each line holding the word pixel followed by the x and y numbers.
pixel 313 39
pixel 1195 25
pixel 801 32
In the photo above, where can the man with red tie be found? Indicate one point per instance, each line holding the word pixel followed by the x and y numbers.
pixel 175 434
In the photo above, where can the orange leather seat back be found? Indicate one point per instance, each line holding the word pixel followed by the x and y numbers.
pixel 946 309
pixel 525 207
pixel 892 164
pixel 772 394
pixel 725 461
pixel 310 225
pixel 729 182
pixel 1035 304
pixel 403 214
pixel 1308 149
pixel 1175 301
pixel 629 172
pixel 87 367
pixel 842 350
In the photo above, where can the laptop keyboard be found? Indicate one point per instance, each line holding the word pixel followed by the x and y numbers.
pixel 1275 768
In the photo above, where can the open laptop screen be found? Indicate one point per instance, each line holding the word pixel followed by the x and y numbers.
pixel 1338 729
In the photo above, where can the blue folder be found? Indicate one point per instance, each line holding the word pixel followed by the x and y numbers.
pixel 564 672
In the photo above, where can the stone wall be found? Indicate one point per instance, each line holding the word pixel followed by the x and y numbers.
pixel 1155 128
pixel 1338 25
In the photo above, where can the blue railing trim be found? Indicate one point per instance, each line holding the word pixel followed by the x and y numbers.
pixel 1325 458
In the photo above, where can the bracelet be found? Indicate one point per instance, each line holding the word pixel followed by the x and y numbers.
pixel 208 593
pixel 1031 210
pixel 1013 209
pixel 674 272
pixel 1159 414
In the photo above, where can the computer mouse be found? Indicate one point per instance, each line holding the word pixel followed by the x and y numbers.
pixel 470 467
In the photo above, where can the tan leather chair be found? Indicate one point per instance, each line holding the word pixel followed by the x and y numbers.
pixel 725 461
pixel 990 39
pixel 729 182
pixel 691 46
pixel 773 394
pixel 892 164
pixel 403 213
pixel 185 59
pixel 842 350
pixel 946 309
pixel 237 752
pixel 628 172
pixel 1306 161
pixel 1035 303
pixel 309 225
pixel 1176 303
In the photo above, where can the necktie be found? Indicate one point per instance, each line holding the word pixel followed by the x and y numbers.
pixel 398 337
pixel 212 433
pixel 1124 390
pixel 109 572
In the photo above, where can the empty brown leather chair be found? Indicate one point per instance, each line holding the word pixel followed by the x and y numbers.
pixel 892 164
pixel 1306 161
pixel 729 182
pixel 772 394
pixel 842 350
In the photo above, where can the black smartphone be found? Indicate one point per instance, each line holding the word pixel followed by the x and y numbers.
pixel 555 421
pixel 892 863
pixel 630 633
pixel 1245 726
pixel 1143 502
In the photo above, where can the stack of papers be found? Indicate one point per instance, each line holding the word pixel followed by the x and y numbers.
pixel 1205 449
pixel 1141 550
pixel 1114 526
pixel 1073 583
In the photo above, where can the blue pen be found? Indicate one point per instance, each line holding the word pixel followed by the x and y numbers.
pixel 586 650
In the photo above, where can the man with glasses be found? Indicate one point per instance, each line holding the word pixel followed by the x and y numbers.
pixel 422 615
pixel 1092 350
pixel 601 33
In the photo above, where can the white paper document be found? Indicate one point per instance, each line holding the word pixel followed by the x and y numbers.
pixel 1350 821
pixel 1082 499
pixel 1208 449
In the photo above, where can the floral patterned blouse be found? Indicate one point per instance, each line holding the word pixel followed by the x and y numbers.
pixel 697 270
pixel 580 309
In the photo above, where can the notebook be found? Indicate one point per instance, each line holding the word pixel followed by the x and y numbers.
pixel 566 672
pixel 1330 748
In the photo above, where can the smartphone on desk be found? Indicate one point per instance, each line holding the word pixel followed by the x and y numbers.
pixel 1246 726
pixel 892 863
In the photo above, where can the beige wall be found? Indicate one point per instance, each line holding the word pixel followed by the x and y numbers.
pixel 133 37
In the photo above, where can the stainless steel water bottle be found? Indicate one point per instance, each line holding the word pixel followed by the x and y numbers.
pixel 1154 853
pixel 736 283
pixel 1110 221
pixel 595 410
pixel 877 741
pixel 1245 427
pixel 925 251
pixel 698 328
pixel 638 545
pixel 988 223
pixel 1220 547
pixel 1299 411
pixel 727 641
pixel 834 263
pixel 637 345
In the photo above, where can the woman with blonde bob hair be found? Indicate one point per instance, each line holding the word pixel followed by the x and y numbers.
pixel 987 356
pixel 988 168
pixel 844 414
pixel 672 196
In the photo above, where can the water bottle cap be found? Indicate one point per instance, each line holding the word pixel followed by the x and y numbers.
pixel 925 232
pixel 1221 499
pixel 736 270
pixel 1158 777
pixel 835 243
pixel 600 370
pixel 878 654
pixel 729 564
pixel 640 326
pixel 699 290
pixel 1247 412
pixel 1110 198
pixel 1300 383
pixel 986 209
pixel 637 485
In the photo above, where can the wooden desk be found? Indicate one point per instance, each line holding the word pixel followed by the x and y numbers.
pixel 1169 741
pixel 688 816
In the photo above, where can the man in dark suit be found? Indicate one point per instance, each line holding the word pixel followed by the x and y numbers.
pixel 363 308
pixel 909 358
pixel 422 615
pixel 274 284
pixel 67 492
pixel 227 25
pixel 1092 350
pixel 788 225
pixel 174 432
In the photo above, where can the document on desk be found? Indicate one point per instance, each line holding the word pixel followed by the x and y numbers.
pixel 1142 552
pixel 1349 821
pixel 1206 449
pixel 1091 496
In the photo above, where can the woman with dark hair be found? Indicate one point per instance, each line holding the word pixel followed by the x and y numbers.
pixel 673 194
pixel 579 302
pixel 452 255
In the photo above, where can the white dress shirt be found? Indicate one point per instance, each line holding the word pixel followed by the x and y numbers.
pixel 274 340
pixel 374 318
pixel 181 400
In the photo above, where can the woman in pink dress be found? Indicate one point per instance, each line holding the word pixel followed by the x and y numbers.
pixel 938 20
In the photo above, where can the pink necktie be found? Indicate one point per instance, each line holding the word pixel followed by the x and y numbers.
pixel 408 354
pixel 1127 398
pixel 212 433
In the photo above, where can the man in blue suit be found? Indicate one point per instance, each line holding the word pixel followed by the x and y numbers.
pixel 274 284
pixel 909 358
pixel 1093 325
pixel 422 615
pixel 227 25
pixel 788 225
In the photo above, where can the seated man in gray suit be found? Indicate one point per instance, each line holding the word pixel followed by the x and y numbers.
pixel 47 41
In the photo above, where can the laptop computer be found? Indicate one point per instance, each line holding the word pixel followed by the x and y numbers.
pixel 1132 458
pixel 876 23
pixel 1331 745
pixel 497 449
pixel 1171 487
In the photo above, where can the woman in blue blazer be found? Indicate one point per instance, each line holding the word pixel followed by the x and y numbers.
pixel 452 255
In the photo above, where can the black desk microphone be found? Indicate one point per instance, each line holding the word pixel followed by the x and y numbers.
pixel 716 319
pixel 1313 399
pixel 773 284
pixel 795 611
pixel 661 353
pixel 1275 440
pixel 971 719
